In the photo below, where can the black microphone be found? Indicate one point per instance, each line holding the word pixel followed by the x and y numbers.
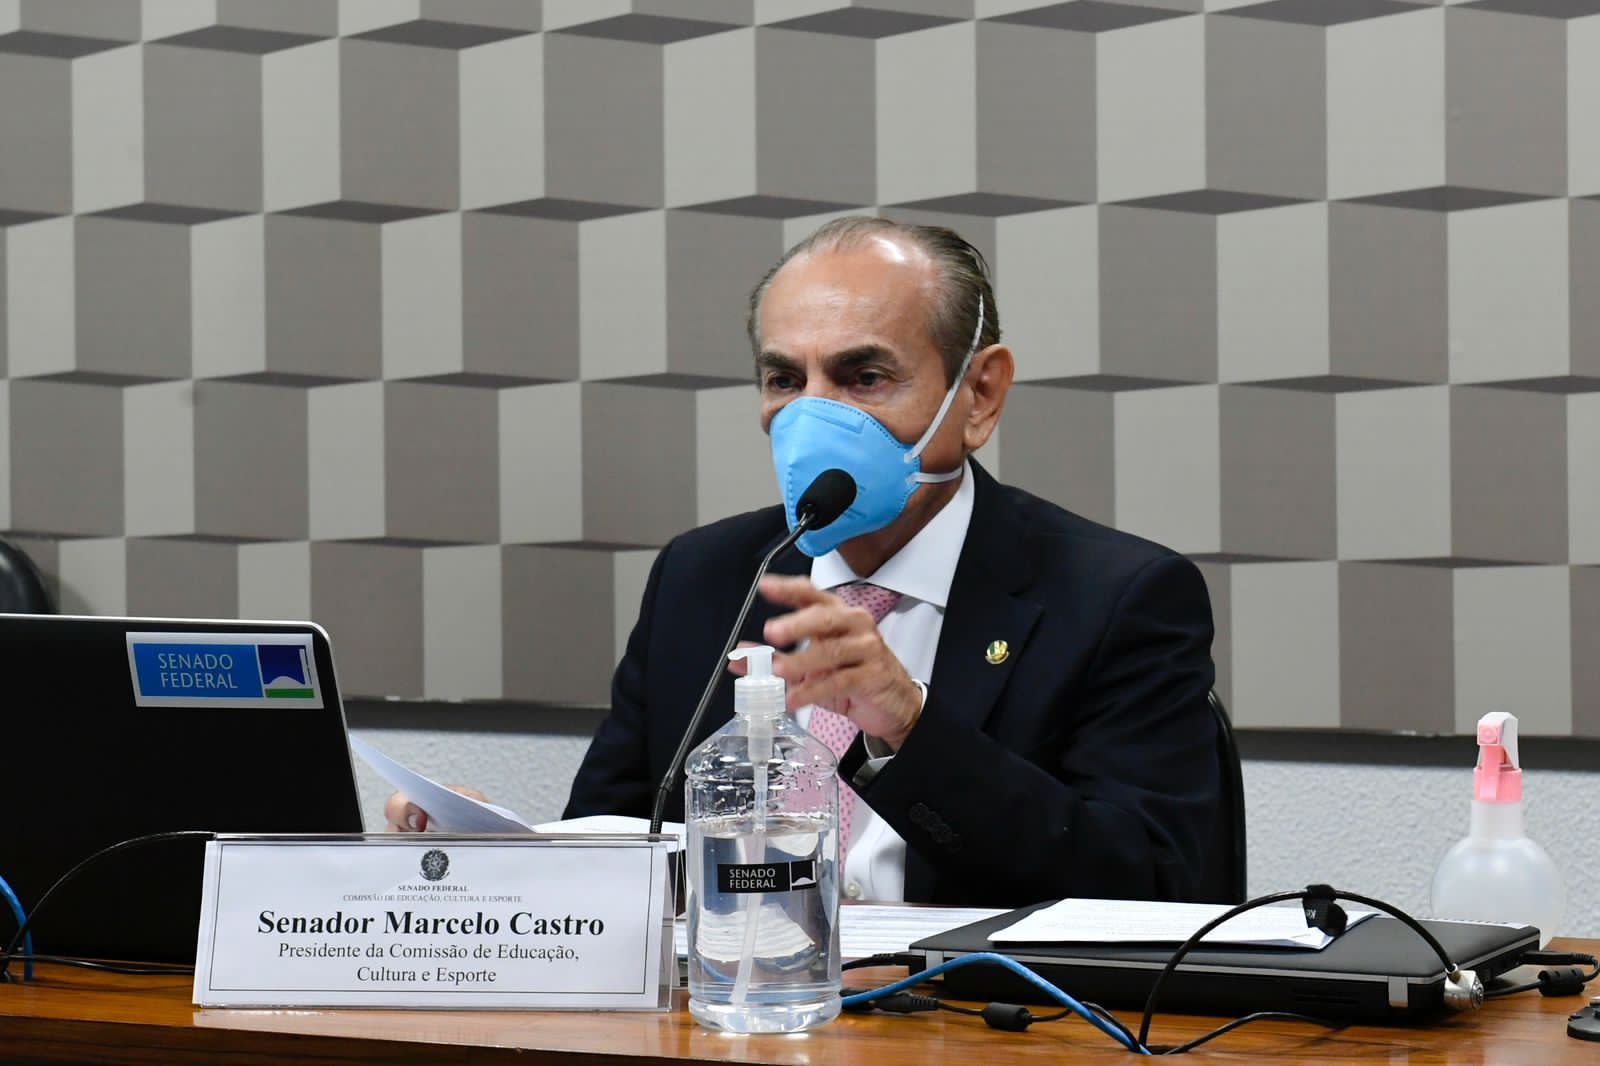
pixel 824 500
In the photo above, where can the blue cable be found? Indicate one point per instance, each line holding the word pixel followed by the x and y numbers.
pixel 1015 967
pixel 27 940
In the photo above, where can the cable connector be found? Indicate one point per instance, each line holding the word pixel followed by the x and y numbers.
pixel 853 1005
pixel 1462 989
pixel 906 1003
pixel 1322 912
pixel 1008 1016
pixel 1562 981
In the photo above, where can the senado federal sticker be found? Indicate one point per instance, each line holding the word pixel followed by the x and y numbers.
pixel 223 670
pixel 789 876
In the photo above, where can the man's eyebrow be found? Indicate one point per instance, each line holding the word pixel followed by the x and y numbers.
pixel 776 361
pixel 861 355
pixel 847 359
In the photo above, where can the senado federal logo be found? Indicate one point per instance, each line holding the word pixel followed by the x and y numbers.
pixel 223 670
pixel 435 864
pixel 285 671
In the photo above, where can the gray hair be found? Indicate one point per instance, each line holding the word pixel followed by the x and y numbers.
pixel 964 280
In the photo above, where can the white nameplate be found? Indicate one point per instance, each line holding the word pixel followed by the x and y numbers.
pixel 435 921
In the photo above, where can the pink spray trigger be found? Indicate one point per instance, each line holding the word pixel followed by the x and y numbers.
pixel 1498 777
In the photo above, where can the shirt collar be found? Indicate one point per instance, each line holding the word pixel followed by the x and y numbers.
pixel 925 567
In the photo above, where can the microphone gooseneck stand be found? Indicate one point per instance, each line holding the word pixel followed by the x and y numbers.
pixel 823 501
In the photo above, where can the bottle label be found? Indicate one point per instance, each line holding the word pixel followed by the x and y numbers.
pixel 792 876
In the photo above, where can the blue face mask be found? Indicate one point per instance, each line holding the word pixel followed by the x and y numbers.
pixel 812 434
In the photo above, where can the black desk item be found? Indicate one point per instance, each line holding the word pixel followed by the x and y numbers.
pixel 86 767
pixel 1377 970
pixel 22 586
pixel 1584 1023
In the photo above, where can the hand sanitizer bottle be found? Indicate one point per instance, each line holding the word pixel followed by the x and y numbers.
pixel 1497 874
pixel 763 851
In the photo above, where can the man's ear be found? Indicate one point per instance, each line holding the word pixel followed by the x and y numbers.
pixel 989 378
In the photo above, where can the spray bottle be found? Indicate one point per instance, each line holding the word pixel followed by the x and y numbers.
pixel 763 849
pixel 1497 874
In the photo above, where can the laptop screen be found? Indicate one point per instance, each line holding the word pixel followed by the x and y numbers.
pixel 118 727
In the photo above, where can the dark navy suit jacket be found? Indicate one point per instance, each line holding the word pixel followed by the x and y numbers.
pixel 1084 764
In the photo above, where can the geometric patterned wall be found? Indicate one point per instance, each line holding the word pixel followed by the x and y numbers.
pixel 424 317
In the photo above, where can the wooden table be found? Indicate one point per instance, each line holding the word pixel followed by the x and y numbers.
pixel 78 1016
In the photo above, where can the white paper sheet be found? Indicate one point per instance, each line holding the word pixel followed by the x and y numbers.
pixel 609 823
pixel 451 812
pixel 875 928
pixel 1120 921
pixel 448 812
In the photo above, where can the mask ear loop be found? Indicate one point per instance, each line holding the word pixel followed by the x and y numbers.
pixel 944 408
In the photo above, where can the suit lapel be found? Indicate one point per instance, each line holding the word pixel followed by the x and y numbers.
pixel 987 603
pixel 984 607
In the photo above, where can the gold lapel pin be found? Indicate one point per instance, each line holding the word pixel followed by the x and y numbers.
pixel 997 652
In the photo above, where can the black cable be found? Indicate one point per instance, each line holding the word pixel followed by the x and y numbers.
pixel 912 960
pixel 1016 1018
pixel 1315 894
pixel 909 959
pixel 103 853
pixel 1545 958
pixel 1008 1016
pixel 910 1003
pixel 148 970
pixel 1259 1016
pixel 1566 981
pixel 1496 993
pixel 1104 1014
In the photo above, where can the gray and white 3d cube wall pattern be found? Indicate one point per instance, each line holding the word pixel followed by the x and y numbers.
pixel 424 317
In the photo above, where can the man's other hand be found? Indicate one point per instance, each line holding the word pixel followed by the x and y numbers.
pixel 403 816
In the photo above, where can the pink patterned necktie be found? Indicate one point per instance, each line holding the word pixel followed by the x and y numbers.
pixel 835 730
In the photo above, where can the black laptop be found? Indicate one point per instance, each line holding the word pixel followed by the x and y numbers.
pixel 118 727
pixel 1377 970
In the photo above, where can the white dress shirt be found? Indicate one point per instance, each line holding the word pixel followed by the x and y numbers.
pixel 921 572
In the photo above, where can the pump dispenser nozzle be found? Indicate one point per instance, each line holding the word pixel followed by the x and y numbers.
pixel 757 693
pixel 758 657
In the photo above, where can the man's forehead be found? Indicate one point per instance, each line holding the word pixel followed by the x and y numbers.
pixel 868 289
pixel 879 255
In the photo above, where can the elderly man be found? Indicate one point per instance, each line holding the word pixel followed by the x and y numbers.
pixel 1018 694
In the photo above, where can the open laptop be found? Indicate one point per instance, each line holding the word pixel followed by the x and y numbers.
pixel 118 727
pixel 1377 970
